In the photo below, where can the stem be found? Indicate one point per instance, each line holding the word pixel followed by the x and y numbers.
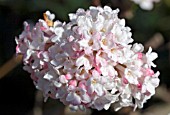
pixel 10 65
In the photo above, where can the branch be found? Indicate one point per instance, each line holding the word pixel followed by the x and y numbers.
pixel 10 65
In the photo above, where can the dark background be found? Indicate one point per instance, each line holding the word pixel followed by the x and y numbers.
pixel 18 95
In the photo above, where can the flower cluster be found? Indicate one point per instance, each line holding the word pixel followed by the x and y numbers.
pixel 88 62
pixel 145 4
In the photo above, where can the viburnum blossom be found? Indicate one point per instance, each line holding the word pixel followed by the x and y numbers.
pixel 146 4
pixel 88 62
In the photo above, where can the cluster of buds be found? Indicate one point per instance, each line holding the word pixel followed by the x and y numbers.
pixel 146 4
pixel 88 62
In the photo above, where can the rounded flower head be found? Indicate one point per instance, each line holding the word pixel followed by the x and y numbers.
pixel 88 62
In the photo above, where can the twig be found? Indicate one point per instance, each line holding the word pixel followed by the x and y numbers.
pixel 156 41
pixel 10 65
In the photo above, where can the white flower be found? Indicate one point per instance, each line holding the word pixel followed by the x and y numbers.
pixel 137 47
pixel 83 61
pixel 50 16
pixel 150 82
pixel 88 62
pixel 146 4
pixel 77 96
pixel 94 86
pixel 105 101
pixel 151 56
pixel 58 31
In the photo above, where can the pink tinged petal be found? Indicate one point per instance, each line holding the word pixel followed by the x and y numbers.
pixel 68 76
pixel 39 54
pixel 18 49
pixel 63 79
pixel 98 69
pixel 149 72
pixel 139 86
pixel 26 26
pixel 140 55
pixel 76 47
pixel 125 81
pixel 81 85
pixel 71 88
pixel 73 83
pixel 78 54
pixel 43 28
pixel 147 93
pixel 70 38
pixel 73 98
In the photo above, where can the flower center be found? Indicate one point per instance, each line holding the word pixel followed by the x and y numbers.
pixel 94 81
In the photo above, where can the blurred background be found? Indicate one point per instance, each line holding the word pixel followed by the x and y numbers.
pixel 18 95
